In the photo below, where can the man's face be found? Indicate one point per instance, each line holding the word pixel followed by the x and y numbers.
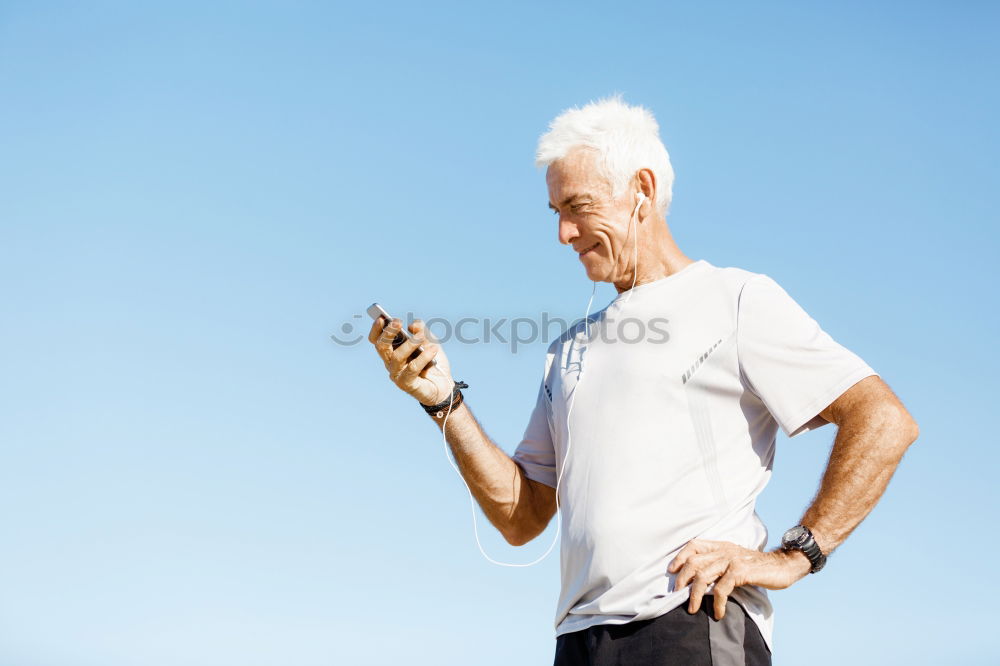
pixel 590 221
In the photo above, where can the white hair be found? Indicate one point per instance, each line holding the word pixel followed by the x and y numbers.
pixel 626 138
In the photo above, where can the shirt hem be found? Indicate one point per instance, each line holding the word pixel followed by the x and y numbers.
pixel 812 410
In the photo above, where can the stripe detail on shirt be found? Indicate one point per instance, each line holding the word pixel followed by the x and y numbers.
pixel 701 359
pixel 702 423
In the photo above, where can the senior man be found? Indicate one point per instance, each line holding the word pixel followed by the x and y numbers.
pixel 655 449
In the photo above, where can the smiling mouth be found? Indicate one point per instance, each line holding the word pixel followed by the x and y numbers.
pixel 590 249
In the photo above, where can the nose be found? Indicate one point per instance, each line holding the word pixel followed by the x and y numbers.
pixel 567 232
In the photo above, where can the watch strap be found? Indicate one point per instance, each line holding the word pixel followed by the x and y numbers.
pixel 809 548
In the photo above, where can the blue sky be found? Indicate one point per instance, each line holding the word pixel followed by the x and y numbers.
pixel 193 197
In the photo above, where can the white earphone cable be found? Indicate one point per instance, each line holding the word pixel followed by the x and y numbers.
pixel 569 411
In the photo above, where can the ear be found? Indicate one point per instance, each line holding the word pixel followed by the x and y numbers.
pixel 646 184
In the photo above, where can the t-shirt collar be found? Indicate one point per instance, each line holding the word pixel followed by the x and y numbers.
pixel 688 270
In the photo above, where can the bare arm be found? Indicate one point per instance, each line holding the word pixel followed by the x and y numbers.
pixel 873 432
pixel 517 506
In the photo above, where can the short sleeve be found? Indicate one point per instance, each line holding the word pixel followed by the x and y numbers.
pixel 536 453
pixel 789 362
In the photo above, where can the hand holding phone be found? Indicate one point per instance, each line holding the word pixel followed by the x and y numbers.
pixel 426 374
pixel 375 311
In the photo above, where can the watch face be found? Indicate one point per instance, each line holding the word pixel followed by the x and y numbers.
pixel 794 536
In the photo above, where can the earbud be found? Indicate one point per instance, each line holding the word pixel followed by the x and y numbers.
pixel 639 198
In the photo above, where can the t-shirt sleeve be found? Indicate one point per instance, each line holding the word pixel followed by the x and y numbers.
pixel 536 453
pixel 789 362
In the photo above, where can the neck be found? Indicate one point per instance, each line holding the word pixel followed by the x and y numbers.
pixel 658 259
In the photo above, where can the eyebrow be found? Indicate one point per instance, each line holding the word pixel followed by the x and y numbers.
pixel 570 198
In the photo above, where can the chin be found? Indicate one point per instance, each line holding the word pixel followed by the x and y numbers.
pixel 597 273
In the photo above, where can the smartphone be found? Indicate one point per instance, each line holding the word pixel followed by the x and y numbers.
pixel 375 311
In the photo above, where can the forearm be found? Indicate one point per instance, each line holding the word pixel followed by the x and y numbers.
pixel 492 476
pixel 867 449
pixel 494 479
pixel 866 452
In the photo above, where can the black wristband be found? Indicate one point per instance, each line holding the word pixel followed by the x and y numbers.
pixel 454 400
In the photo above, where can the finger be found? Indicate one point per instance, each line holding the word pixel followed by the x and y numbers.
pixel 420 331
pixel 415 367
pixel 376 330
pixel 698 587
pixel 389 330
pixel 691 568
pixel 694 548
pixel 691 548
pixel 723 588
pixel 432 364
pixel 403 352
pixel 402 356
pixel 385 338
pixel 418 327
pixel 705 572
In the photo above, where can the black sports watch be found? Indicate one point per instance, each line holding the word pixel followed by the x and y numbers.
pixel 800 538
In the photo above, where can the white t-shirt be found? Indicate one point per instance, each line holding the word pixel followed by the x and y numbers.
pixel 672 432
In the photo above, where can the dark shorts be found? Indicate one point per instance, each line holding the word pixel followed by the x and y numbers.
pixel 673 639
